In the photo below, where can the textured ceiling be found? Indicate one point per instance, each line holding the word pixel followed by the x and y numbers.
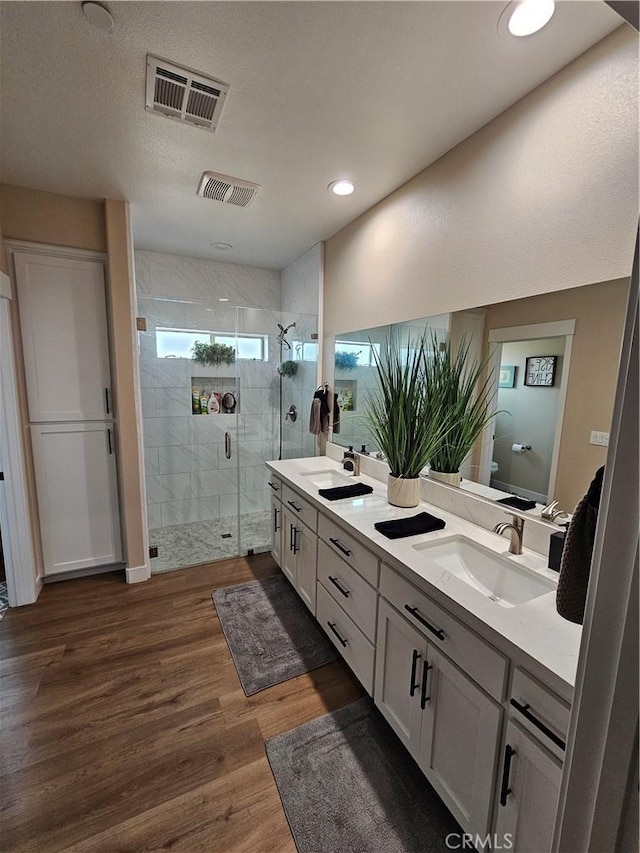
pixel 375 91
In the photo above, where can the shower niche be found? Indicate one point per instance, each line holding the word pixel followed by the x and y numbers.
pixel 224 390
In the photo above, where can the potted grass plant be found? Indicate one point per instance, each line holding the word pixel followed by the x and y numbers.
pixel 453 382
pixel 404 421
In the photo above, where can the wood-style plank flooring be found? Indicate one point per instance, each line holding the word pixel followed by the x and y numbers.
pixel 124 726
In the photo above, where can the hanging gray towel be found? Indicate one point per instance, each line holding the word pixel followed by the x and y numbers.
pixel 575 565
pixel 314 417
pixel 336 415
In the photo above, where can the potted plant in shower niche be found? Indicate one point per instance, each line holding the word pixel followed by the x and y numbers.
pixel 288 368
pixel 405 424
pixel 208 354
pixel 454 383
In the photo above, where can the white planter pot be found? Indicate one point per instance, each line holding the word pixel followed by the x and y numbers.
pixel 403 492
pixel 441 477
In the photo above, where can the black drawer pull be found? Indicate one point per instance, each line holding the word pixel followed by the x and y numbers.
pixel 110 445
pixel 276 527
pixel 413 686
pixel 339 587
pixel 524 710
pixel 106 401
pixel 340 547
pixel 505 790
pixel 293 506
pixel 291 537
pixel 416 615
pixel 296 540
pixel 425 676
pixel 333 628
pixel 274 487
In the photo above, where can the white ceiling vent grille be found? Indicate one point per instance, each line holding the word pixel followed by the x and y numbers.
pixel 227 189
pixel 183 95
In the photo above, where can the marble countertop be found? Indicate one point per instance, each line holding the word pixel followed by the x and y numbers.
pixel 532 634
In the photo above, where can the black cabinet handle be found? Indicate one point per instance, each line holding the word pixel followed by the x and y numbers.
pixel 333 628
pixel 275 488
pixel 425 676
pixel 291 529
pixel 339 587
pixel 106 400
pixel 340 547
pixel 413 685
pixel 296 543
pixel 505 790
pixel 275 519
pixel 293 506
pixel 416 615
pixel 109 442
pixel 524 710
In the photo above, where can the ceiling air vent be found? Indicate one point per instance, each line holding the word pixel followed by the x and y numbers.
pixel 227 189
pixel 183 95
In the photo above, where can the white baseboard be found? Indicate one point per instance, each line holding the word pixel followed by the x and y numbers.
pixel 137 574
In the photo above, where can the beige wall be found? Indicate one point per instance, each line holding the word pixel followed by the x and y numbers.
pixel 599 312
pixel 543 198
pixel 57 220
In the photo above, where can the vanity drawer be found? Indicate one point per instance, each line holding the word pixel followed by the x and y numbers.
pixel 348 639
pixel 476 657
pixel 275 485
pixel 358 557
pixel 300 507
pixel 539 711
pixel 353 593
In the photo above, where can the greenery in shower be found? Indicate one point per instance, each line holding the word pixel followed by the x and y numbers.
pixel 288 368
pixel 346 360
pixel 207 354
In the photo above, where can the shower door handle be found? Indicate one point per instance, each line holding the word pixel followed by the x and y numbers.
pixel 227 445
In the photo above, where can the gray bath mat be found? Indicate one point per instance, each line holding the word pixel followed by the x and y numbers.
pixel 348 784
pixel 271 634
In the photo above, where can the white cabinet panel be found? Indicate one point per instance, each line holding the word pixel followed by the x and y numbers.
pixel 77 495
pixel 299 557
pixel 64 334
pixel 351 591
pixel 528 793
pixel 348 639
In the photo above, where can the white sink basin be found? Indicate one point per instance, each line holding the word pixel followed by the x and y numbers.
pixel 505 582
pixel 328 479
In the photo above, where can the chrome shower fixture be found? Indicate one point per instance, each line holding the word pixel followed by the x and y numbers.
pixel 281 337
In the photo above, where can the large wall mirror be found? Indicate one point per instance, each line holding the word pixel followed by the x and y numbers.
pixel 554 358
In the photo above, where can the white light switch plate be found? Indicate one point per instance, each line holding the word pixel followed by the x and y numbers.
pixel 599 438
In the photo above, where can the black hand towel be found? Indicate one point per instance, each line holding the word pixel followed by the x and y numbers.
pixel 351 491
pixel 517 503
pixel 575 565
pixel 400 527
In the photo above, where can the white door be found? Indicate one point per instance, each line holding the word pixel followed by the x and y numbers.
pixel 64 333
pixel 400 665
pixel 306 547
pixel 276 529
pixel 459 742
pixel 77 495
pixel 529 785
pixel 288 557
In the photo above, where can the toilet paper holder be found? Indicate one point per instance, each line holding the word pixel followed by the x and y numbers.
pixel 520 448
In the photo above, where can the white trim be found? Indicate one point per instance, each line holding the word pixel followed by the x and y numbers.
pixel 138 574
pixel 5 286
pixel 554 329
pixel 57 251
pixel 23 584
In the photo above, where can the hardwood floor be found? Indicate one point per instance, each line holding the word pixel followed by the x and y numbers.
pixel 124 726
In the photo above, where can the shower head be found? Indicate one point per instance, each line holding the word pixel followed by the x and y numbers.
pixel 282 336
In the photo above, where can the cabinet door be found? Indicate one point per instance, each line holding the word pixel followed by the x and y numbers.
pixel 528 792
pixel 276 529
pixel 400 660
pixel 288 557
pixel 77 495
pixel 306 546
pixel 459 742
pixel 64 333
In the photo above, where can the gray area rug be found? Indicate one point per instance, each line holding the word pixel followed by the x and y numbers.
pixel 349 786
pixel 271 634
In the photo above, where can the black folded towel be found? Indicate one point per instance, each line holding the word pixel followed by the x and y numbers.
pixel 400 527
pixel 351 491
pixel 517 503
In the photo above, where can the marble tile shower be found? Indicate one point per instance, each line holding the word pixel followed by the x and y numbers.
pixel 208 499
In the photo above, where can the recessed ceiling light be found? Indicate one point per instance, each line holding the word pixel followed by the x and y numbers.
pixel 525 17
pixel 342 187
pixel 98 15
pixel 223 299
pixel 222 247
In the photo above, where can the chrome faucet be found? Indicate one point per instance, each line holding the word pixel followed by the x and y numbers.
pixel 551 513
pixel 516 528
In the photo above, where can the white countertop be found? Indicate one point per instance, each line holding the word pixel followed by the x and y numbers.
pixel 532 634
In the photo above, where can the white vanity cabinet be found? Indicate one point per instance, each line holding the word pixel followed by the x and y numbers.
pixel 299 545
